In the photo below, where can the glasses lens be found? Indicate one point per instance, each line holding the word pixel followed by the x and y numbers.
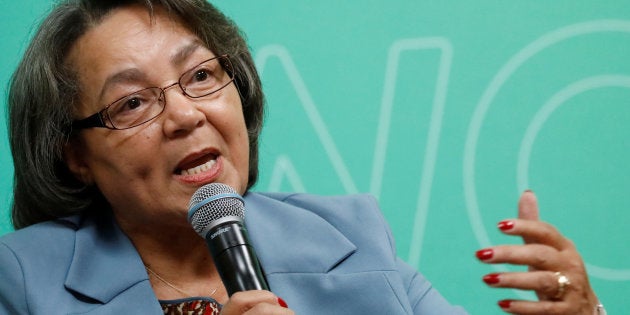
pixel 137 108
pixel 208 77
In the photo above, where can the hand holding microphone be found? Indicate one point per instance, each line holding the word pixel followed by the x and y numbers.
pixel 216 212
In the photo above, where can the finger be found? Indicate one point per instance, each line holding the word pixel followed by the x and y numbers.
pixel 528 206
pixel 536 307
pixel 266 308
pixel 256 301
pixel 536 232
pixel 528 209
pixel 545 283
pixel 537 256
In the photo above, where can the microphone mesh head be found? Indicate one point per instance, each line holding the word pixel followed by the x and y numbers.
pixel 212 202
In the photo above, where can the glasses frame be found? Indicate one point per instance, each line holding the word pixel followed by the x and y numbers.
pixel 100 118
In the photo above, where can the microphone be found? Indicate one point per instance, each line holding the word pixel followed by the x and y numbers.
pixel 216 213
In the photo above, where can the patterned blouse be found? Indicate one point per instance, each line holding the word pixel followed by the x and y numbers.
pixel 191 306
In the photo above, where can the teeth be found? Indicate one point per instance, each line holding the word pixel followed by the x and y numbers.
pixel 199 169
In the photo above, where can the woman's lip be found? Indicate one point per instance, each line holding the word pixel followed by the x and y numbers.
pixel 204 177
pixel 196 159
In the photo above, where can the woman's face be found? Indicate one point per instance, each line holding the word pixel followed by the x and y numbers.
pixel 149 172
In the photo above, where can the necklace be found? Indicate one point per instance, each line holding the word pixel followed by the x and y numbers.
pixel 172 286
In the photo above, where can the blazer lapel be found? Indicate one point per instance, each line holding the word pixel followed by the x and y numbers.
pixel 290 242
pixel 289 239
pixel 106 264
pixel 316 268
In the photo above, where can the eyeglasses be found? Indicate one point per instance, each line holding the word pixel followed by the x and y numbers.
pixel 145 105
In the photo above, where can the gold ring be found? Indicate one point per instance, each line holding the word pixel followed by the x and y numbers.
pixel 563 282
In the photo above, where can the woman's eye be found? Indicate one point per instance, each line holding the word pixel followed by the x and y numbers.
pixel 129 105
pixel 201 75
pixel 132 103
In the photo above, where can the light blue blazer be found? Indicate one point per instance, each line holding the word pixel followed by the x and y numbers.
pixel 322 255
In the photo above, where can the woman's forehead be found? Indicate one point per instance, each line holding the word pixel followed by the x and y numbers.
pixel 135 31
pixel 130 43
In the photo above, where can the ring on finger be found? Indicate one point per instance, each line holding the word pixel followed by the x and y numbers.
pixel 563 283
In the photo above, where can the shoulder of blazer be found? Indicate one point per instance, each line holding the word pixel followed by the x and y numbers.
pixel 73 265
pixel 327 254
pixel 321 226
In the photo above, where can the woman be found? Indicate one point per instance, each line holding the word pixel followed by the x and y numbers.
pixel 120 110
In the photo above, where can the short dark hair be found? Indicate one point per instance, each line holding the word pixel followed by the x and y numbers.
pixel 43 94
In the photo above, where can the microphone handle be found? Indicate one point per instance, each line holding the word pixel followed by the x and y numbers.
pixel 235 259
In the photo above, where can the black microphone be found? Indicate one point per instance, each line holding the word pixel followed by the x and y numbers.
pixel 216 213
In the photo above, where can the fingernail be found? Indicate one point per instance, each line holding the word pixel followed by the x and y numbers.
pixel 484 254
pixel 505 303
pixel 506 225
pixel 492 278
pixel 529 190
pixel 282 303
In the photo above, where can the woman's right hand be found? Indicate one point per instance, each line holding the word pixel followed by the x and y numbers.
pixel 257 302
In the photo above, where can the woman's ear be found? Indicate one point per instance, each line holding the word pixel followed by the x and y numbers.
pixel 75 160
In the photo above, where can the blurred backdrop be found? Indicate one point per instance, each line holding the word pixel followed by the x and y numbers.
pixel 445 111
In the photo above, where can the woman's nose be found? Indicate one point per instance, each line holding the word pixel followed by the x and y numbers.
pixel 182 114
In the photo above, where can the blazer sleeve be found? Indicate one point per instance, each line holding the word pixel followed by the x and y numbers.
pixel 425 299
pixel 12 286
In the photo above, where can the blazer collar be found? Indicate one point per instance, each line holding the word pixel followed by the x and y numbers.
pixel 105 262
pixel 287 239
pixel 290 239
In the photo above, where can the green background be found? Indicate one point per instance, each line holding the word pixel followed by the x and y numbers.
pixel 446 111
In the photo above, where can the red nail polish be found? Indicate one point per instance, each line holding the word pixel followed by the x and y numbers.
pixel 492 278
pixel 484 254
pixel 505 225
pixel 505 303
pixel 282 303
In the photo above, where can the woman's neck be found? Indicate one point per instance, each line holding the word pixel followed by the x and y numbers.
pixel 178 262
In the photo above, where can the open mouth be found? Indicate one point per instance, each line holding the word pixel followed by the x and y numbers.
pixel 197 166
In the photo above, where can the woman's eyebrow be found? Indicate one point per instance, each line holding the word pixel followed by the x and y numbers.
pixel 134 75
pixel 125 76
pixel 184 52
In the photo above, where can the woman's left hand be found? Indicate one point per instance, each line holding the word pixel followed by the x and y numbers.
pixel 556 270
